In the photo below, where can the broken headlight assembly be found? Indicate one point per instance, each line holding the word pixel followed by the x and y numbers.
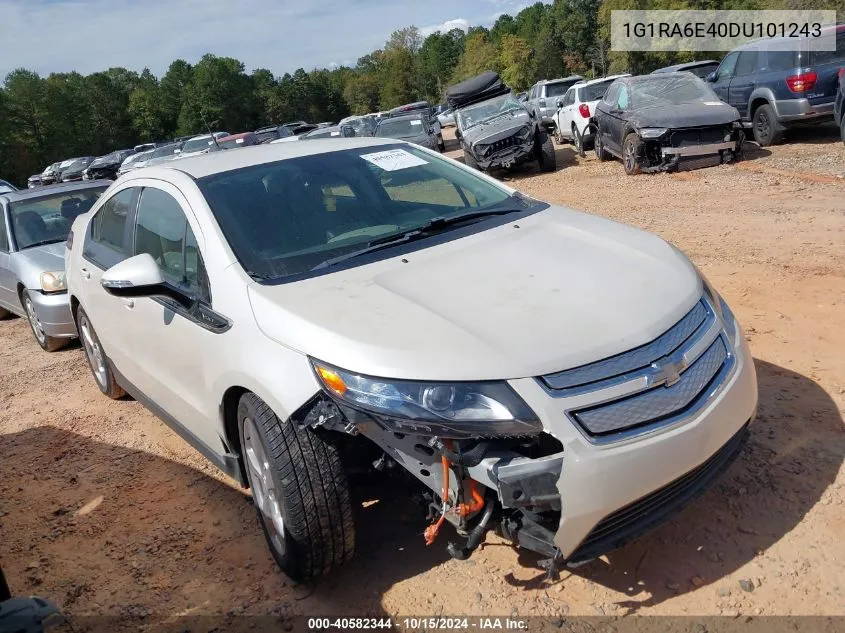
pixel 652 132
pixel 454 410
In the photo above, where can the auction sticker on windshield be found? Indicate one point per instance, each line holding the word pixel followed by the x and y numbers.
pixel 394 159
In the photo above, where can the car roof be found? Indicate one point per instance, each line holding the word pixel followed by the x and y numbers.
pixel 544 82
pixel 39 192
pixel 218 162
pixel 632 79
pixel 590 82
pixel 407 116
pixel 233 137
pixel 684 66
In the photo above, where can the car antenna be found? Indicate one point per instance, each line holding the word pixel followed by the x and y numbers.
pixel 208 127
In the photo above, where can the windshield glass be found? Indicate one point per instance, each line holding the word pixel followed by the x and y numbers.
pixel 594 92
pixel 167 150
pixel 400 128
pixel 47 219
pixel 78 164
pixel 486 110
pixel 655 90
pixel 286 217
pixel 197 144
pixel 137 158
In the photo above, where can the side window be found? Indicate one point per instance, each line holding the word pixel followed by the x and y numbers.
pixel 162 230
pixel 747 63
pixel 726 68
pixel 610 95
pixel 4 236
pixel 622 98
pixel 104 245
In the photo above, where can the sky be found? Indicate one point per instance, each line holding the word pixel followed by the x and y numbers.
pixel 281 35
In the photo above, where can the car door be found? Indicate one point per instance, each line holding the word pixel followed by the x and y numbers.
pixel 603 109
pixel 617 119
pixel 744 81
pixel 169 341
pixel 722 77
pixel 105 244
pixel 8 295
pixel 565 113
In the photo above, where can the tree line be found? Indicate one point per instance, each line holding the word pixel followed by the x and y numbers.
pixel 45 119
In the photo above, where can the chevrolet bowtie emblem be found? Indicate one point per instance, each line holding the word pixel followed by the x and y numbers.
pixel 667 373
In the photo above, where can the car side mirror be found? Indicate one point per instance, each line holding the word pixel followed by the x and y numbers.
pixel 140 276
pixel 711 77
pixel 559 103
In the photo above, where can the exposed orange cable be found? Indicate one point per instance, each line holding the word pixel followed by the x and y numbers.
pixel 432 530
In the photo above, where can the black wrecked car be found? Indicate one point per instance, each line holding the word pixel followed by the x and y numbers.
pixel 414 128
pixel 665 121
pixel 495 129
pixel 105 167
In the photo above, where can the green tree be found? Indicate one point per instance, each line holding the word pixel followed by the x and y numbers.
pixel 438 56
pixel 220 95
pixel 515 62
pixel 479 55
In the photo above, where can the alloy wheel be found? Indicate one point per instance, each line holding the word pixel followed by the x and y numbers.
pixel 93 351
pixel 264 492
pixel 37 328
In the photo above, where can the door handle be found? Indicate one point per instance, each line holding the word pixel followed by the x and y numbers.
pixel 129 303
pixel 85 273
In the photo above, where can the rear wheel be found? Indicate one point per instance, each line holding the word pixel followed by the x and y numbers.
pixel 546 152
pixel 631 154
pixel 47 343
pixel 765 127
pixel 601 153
pixel 300 491
pixel 97 359
pixel 579 141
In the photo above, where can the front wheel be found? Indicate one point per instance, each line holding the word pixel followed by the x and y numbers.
pixel 47 343
pixel 300 491
pixel 546 154
pixel 631 154
pixel 96 357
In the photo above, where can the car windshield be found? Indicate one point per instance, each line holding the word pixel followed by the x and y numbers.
pixel 400 128
pixel 480 112
pixel 197 144
pixel 363 126
pixel 656 90
pixel 703 70
pixel 167 150
pixel 558 89
pixel 78 164
pixel 136 158
pixel 7 187
pixel 47 219
pixel 593 92
pixel 287 217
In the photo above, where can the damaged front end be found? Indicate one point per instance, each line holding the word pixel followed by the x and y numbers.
pixel 671 149
pixel 481 452
pixel 504 149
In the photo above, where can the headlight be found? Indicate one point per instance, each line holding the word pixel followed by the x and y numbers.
pixel 722 309
pixel 652 132
pixel 523 134
pixel 445 409
pixel 53 281
pixel 482 149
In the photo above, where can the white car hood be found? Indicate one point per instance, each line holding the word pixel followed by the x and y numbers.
pixel 562 290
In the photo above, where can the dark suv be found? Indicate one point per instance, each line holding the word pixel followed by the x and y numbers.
pixel 839 106
pixel 774 88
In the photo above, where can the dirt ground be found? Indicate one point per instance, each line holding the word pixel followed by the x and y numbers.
pixel 105 510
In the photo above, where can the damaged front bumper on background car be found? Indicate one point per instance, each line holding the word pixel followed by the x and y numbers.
pixel 667 149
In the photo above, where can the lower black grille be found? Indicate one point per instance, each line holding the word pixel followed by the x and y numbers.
pixel 698 136
pixel 639 517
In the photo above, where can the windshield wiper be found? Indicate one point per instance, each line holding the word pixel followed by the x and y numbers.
pixel 432 226
pixel 55 240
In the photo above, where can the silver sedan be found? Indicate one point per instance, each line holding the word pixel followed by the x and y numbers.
pixel 34 226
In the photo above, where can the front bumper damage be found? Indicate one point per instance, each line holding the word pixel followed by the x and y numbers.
pixel 691 148
pixel 507 158
pixel 565 495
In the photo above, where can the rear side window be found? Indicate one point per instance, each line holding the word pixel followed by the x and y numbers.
pixel 593 92
pixel 747 63
pixel 827 57
pixel 781 60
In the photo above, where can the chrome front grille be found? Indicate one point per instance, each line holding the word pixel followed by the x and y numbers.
pixel 657 384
